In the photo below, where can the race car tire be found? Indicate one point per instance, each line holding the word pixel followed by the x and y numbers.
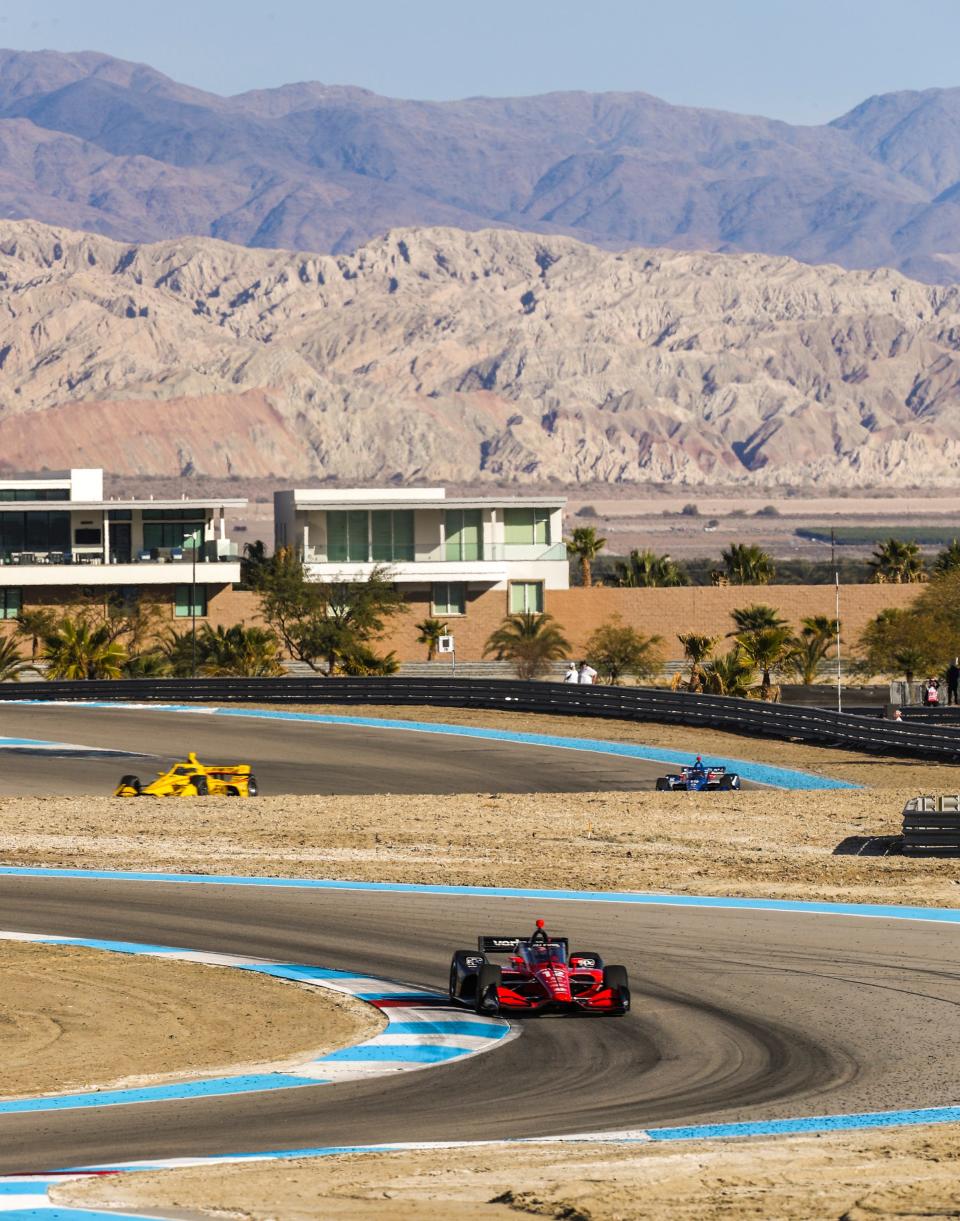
pixel 131 782
pixel 595 960
pixel 729 783
pixel 489 979
pixel 200 786
pixel 615 978
pixel 232 790
pixel 463 974
pixel 664 785
pixel 252 789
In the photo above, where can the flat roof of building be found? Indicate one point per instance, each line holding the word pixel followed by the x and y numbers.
pixel 212 502
pixel 318 499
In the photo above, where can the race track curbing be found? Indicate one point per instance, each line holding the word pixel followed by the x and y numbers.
pixel 422 1030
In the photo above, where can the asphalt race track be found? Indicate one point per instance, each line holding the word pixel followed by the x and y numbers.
pixel 289 757
pixel 737 1015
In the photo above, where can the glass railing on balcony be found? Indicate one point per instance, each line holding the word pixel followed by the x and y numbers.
pixel 490 553
pixel 95 555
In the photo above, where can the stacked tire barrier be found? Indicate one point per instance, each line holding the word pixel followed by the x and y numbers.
pixel 931 826
pixel 817 726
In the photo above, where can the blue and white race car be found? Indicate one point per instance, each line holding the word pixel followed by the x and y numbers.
pixel 699 778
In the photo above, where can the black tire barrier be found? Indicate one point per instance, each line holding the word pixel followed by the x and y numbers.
pixel 817 726
pixel 931 827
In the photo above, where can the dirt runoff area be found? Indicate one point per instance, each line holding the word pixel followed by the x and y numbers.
pixel 908 1174
pixel 77 1019
pixel 756 844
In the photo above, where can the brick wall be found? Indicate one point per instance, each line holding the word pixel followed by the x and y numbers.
pixel 666 612
pixel 662 612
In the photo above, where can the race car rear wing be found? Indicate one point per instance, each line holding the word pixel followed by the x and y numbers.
pixel 499 945
pixel 510 945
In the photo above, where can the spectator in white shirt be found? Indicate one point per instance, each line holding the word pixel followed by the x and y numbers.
pixel 586 673
pixel 571 675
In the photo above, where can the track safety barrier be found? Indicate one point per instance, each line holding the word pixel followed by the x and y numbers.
pixel 751 718
pixel 931 826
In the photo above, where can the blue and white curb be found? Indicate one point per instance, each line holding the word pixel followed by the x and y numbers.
pixel 31 1193
pixel 757 773
pixel 421 1031
pixel 61 748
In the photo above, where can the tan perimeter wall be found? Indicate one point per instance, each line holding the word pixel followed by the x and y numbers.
pixel 660 612
pixel 654 612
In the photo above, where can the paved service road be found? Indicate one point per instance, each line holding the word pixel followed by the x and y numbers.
pixel 291 756
pixel 738 1014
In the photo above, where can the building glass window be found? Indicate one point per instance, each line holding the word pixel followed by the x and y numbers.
pixel 184 605
pixel 392 533
pixel 348 536
pixel 34 493
pixel 10 602
pixel 526 596
pixel 526 527
pixel 40 531
pixel 449 598
pixel 169 528
pixel 87 536
pixel 464 534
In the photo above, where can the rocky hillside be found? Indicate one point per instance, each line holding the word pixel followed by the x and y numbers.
pixel 442 355
pixel 96 143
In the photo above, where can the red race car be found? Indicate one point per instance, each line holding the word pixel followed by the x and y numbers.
pixel 540 976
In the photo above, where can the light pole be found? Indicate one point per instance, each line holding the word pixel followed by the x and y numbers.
pixel 839 681
pixel 193 604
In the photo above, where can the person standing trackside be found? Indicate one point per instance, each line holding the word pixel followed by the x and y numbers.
pixel 571 675
pixel 586 673
pixel 953 681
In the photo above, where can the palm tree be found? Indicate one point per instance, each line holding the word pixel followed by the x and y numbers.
pixel 895 562
pixel 817 637
pixel 730 674
pixel 948 560
pixel 11 662
pixel 767 649
pixel 430 632
pixel 253 563
pixel 154 664
pixel 647 570
pixel 238 652
pixel 34 625
pixel 697 649
pixel 530 641
pixel 584 545
pixel 74 650
pixel 752 618
pixel 745 564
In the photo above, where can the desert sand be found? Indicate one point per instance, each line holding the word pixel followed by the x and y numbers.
pixel 73 1018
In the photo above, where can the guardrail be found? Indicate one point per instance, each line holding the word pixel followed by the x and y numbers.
pixel 817 726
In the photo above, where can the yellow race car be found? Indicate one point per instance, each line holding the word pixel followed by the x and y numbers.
pixel 193 779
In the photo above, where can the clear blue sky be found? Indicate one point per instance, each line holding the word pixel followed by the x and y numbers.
pixel 801 60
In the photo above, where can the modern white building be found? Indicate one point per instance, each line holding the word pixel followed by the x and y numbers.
pixel 58 533
pixel 452 546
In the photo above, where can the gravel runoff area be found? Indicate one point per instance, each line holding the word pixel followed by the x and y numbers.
pixel 73 1019
pixel 907 1175
pixel 771 844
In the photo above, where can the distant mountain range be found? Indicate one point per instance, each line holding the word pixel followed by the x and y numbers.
pixel 444 356
pixel 96 143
